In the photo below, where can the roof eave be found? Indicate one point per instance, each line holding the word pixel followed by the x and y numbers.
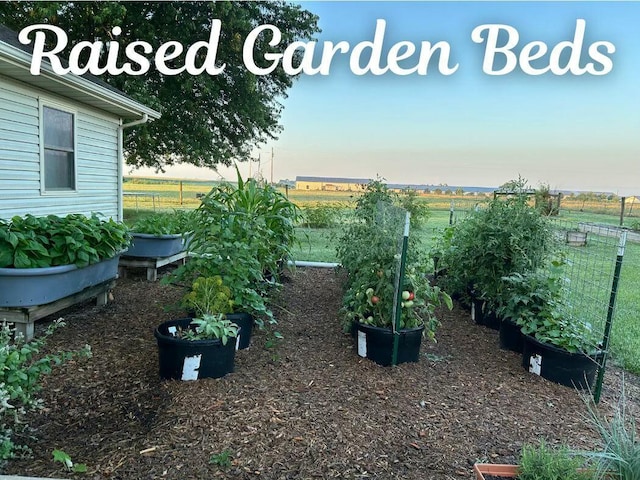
pixel 111 101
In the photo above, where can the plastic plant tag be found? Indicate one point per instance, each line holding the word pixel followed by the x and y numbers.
pixel 190 367
pixel 473 311
pixel 172 330
pixel 237 341
pixel 535 364
pixel 362 344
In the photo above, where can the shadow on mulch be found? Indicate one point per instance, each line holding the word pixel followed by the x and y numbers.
pixel 307 408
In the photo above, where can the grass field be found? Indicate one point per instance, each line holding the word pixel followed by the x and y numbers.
pixel 319 245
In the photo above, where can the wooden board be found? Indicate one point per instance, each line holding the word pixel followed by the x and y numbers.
pixel 151 264
pixel 25 317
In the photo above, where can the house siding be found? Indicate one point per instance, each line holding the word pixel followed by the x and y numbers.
pixel 96 157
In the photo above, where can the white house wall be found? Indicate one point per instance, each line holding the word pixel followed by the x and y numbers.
pixel 96 158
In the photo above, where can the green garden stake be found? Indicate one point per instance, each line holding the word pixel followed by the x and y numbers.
pixel 607 327
pixel 399 288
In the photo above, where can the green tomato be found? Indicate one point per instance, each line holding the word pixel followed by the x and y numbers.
pixel 405 295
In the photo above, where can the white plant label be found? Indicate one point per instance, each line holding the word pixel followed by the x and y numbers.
pixel 362 344
pixel 473 311
pixel 237 341
pixel 172 330
pixel 535 364
pixel 190 367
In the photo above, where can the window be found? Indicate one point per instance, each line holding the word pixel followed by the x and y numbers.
pixel 59 154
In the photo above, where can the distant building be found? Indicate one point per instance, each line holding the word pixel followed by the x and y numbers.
pixel 334 184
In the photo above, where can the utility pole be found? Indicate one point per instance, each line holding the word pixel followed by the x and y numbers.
pixel 271 165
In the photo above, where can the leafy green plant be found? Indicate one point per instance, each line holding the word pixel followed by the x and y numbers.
pixel 535 301
pixel 211 327
pixel 543 462
pixel 164 223
pixel 32 242
pixel 508 236
pixel 62 457
pixel 222 459
pixel 21 368
pixel 211 301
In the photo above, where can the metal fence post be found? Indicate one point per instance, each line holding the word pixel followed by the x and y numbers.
pixel 610 311
pixel 398 291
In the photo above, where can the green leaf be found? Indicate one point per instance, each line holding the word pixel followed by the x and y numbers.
pixel 62 457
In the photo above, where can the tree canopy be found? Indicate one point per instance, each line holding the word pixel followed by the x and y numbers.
pixel 207 120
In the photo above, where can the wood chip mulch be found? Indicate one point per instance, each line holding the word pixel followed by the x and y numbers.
pixel 307 408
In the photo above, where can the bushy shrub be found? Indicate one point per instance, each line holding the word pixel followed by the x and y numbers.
pixel 320 216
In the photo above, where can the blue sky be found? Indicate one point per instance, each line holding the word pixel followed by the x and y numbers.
pixel 468 128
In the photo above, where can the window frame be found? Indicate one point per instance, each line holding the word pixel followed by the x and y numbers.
pixel 46 103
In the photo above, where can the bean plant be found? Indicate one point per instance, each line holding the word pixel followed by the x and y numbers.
pixel 32 242
pixel 164 223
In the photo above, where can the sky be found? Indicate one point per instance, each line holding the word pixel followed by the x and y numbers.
pixel 571 132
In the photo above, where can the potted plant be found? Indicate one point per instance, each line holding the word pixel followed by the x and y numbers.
pixel 160 234
pixel 368 307
pixel 198 302
pixel 201 347
pixel 554 345
pixel 242 233
pixel 525 297
pixel 44 259
pixel 507 236
pixel 368 251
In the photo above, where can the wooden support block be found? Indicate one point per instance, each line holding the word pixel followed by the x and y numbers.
pixel 152 274
pixel 151 264
pixel 25 317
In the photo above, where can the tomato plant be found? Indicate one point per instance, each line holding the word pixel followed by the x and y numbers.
pixel 368 251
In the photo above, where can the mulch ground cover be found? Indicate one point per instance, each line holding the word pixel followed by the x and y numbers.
pixel 306 408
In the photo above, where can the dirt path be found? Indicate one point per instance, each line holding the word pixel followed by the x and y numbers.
pixel 308 408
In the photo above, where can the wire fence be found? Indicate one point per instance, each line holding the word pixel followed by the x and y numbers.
pixel 590 253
